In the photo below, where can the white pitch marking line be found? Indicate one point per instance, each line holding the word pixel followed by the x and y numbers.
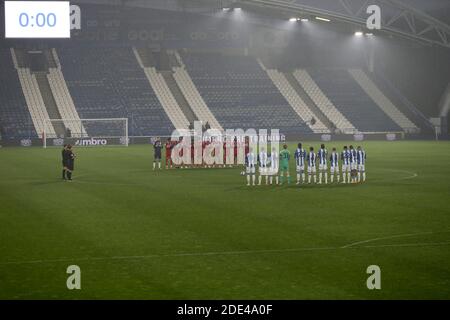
pixel 110 183
pixel 187 254
pixel 221 253
pixel 412 175
pixel 391 237
pixel 420 244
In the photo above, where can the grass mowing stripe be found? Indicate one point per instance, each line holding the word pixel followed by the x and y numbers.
pixel 210 236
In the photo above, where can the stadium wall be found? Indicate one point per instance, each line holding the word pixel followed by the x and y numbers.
pixel 59 142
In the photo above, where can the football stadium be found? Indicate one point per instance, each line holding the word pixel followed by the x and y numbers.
pixel 225 150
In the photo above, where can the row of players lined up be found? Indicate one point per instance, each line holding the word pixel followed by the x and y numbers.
pixel 170 144
pixel 353 165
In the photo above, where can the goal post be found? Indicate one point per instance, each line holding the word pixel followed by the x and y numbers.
pixel 86 132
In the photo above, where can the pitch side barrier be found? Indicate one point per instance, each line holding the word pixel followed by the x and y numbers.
pixel 148 140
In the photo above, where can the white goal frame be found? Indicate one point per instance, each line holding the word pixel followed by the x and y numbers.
pixel 82 134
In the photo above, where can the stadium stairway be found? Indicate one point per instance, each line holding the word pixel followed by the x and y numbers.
pixel 146 57
pixel 295 101
pixel 174 59
pixel 322 102
pixel 311 105
pixel 63 99
pixel 164 61
pixel 35 102
pixel 240 94
pixel 190 92
pixel 164 94
pixel 50 103
pixel 15 118
pixel 20 58
pixel 109 83
pixel 53 90
pixel 402 103
pixel 51 57
pixel 179 97
pixel 33 97
pixel 382 101
pixel 351 100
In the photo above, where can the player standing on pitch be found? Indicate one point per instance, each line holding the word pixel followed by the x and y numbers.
pixel 157 147
pixel 263 159
pixel 345 156
pixel 64 162
pixel 274 165
pixel 323 170
pixel 70 162
pixel 361 159
pixel 300 157
pixel 285 156
pixel 334 165
pixel 250 165
pixel 169 154
pixel 311 158
pixel 353 165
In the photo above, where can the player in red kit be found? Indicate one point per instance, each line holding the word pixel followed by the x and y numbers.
pixel 192 154
pixel 224 154
pixel 247 145
pixel 204 144
pixel 235 150
pixel 169 146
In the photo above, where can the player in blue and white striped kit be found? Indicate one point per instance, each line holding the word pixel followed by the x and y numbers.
pixel 334 165
pixel 250 165
pixel 323 168
pixel 311 158
pixel 361 160
pixel 300 158
pixel 263 165
pixel 345 156
pixel 274 166
pixel 353 165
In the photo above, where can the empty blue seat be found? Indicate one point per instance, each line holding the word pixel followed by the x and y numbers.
pixel 109 83
pixel 352 101
pixel 240 94
pixel 15 118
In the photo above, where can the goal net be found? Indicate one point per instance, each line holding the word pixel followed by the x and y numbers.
pixel 86 132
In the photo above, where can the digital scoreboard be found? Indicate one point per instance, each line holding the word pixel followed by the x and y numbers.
pixel 37 19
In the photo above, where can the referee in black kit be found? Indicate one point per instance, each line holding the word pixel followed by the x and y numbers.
pixel 70 162
pixel 64 161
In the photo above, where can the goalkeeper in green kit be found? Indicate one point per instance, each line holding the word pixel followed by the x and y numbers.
pixel 285 156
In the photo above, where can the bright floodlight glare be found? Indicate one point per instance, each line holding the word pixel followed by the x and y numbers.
pixel 358 33
pixel 293 19
pixel 305 20
pixel 323 19
pixel 369 34
pixel 238 9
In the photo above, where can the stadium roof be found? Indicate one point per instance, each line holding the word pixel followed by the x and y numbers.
pixel 438 8
pixel 427 21
pixel 399 17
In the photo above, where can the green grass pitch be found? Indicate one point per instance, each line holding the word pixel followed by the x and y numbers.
pixel 203 234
